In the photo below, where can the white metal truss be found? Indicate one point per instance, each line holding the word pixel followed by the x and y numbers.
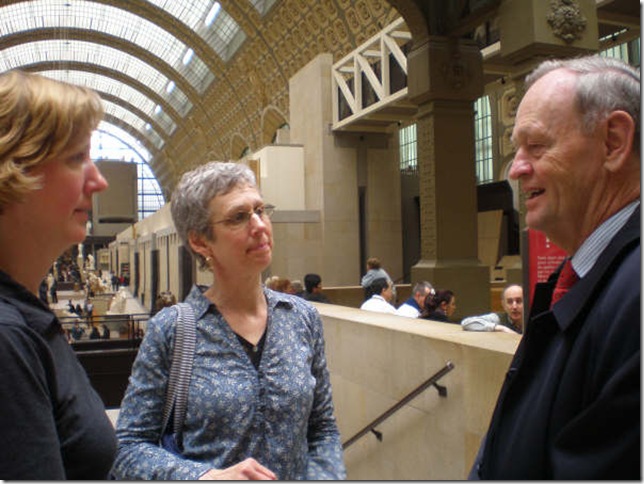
pixel 371 62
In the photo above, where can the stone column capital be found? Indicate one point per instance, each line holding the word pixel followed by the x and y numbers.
pixel 444 68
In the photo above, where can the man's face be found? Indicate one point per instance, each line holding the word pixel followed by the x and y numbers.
pixel 513 304
pixel 420 297
pixel 388 293
pixel 559 166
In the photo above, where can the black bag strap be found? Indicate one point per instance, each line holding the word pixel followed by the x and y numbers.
pixel 181 370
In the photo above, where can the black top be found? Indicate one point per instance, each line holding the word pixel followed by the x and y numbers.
pixel 315 297
pixel 438 315
pixel 53 424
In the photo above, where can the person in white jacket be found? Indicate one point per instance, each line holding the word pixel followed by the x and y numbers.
pixel 381 293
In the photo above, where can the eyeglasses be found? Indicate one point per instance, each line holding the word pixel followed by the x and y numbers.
pixel 241 218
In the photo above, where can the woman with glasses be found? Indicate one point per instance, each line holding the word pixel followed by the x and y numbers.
pixel 259 402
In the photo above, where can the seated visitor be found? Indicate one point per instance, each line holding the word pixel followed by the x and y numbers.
pixel 271 281
pixel 313 289
pixel 77 332
pixel 381 293
pixel 413 306
pixel 284 285
pixel 374 271
pixel 510 320
pixel 440 306
pixel 298 287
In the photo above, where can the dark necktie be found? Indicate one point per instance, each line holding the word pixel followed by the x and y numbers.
pixel 567 278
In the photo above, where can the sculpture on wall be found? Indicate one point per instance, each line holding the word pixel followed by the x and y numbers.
pixel 566 20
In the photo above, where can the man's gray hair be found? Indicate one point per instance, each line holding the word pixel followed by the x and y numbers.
pixel 421 287
pixel 604 85
pixel 191 198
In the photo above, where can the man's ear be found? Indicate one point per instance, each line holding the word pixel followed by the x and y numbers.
pixel 620 130
pixel 199 244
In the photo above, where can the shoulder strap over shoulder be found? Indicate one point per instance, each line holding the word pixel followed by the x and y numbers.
pixel 181 370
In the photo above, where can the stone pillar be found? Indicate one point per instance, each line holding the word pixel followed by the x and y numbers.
pixel 445 78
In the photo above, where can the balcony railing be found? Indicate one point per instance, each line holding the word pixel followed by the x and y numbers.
pixel 371 77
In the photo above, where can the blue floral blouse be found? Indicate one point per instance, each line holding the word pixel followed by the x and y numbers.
pixel 280 414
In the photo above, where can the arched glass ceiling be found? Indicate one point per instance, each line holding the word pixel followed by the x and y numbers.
pixel 104 84
pixel 114 21
pixel 209 21
pixel 133 120
pixel 60 51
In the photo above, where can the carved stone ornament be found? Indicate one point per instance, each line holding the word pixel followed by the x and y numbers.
pixel 456 72
pixel 566 20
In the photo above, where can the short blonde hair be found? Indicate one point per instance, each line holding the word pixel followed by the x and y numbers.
pixel 40 118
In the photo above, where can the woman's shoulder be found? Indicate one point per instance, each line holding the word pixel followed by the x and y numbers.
pixel 295 303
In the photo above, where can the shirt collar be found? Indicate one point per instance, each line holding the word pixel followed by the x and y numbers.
pixel 584 259
pixel 201 304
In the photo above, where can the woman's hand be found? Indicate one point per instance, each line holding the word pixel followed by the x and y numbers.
pixel 247 470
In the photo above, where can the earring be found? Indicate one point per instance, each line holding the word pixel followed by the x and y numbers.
pixel 208 259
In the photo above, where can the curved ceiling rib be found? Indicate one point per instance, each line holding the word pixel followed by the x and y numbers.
pixel 116 89
pixel 135 121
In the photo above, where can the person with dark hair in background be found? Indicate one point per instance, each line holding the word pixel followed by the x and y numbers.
pixel 439 306
pixel 54 424
pixel 259 403
pixel 570 406
pixel 313 289
pixel 105 333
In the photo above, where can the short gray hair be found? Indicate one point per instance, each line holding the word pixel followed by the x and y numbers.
pixel 191 198
pixel 604 85
pixel 421 287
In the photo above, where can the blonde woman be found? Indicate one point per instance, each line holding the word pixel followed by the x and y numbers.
pixel 53 423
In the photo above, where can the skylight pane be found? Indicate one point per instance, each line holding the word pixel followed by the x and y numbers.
pixel 61 52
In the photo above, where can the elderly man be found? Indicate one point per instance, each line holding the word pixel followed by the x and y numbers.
pixel 413 306
pixel 570 405
pixel 508 321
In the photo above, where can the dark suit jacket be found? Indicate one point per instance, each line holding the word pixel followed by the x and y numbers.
pixel 570 405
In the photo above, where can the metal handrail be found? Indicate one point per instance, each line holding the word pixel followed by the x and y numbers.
pixel 432 381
